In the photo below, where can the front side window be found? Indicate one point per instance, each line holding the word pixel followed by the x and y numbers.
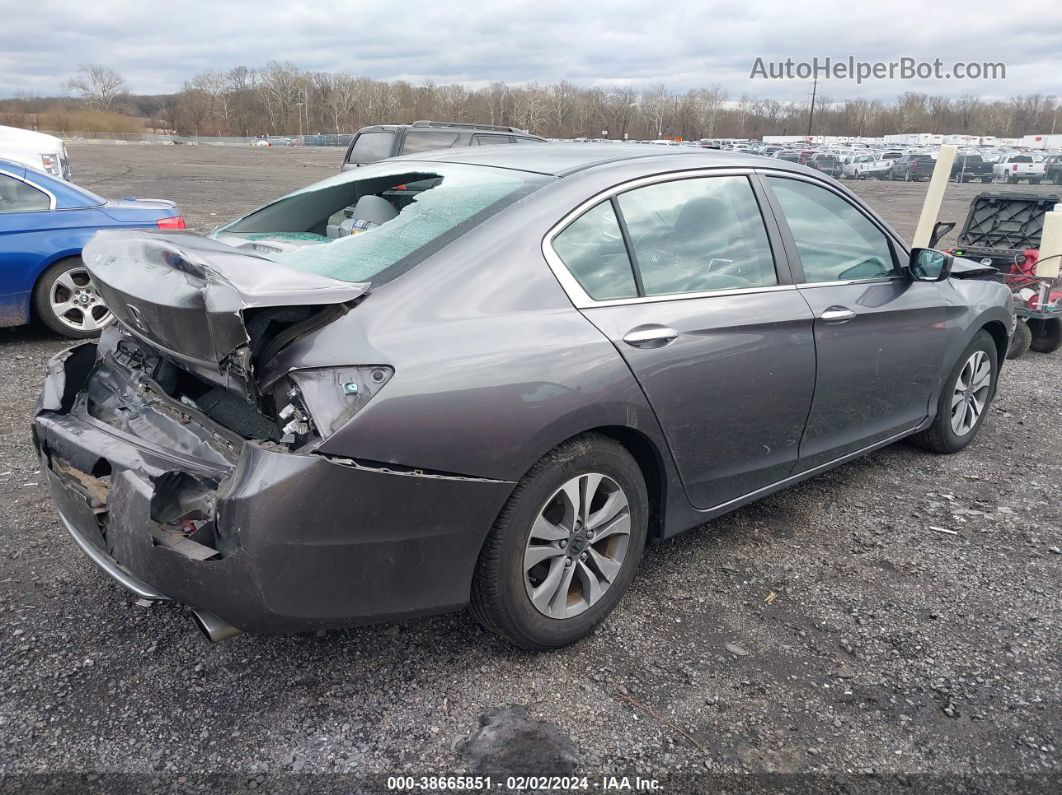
pixel 693 235
pixel 425 141
pixel 592 249
pixel 372 146
pixel 18 197
pixel 836 241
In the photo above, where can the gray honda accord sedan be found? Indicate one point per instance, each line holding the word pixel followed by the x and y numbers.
pixel 487 377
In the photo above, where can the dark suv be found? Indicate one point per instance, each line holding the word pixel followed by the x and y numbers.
pixel 382 141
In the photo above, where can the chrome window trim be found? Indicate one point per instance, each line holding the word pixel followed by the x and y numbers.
pixel 582 300
pixel 35 186
pixel 842 282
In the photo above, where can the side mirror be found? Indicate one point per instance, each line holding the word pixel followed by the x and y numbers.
pixel 929 265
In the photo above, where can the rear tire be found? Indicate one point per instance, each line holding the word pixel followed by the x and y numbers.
pixel 1020 340
pixel 943 436
pixel 515 597
pixel 1046 334
pixel 66 301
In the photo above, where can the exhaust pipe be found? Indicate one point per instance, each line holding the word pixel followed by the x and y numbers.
pixel 213 627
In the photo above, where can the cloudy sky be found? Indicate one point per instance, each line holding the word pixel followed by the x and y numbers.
pixel 683 43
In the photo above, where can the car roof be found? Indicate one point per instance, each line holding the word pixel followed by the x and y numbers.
pixel 559 160
pixel 12 166
pixel 444 126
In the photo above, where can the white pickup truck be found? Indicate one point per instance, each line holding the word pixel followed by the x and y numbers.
pixel 867 167
pixel 1014 168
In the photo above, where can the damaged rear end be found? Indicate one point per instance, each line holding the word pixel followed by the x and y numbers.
pixel 185 475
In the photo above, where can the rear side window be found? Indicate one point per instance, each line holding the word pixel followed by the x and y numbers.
pixel 835 240
pixel 18 197
pixel 371 146
pixel 485 140
pixel 519 140
pixel 694 235
pixel 593 251
pixel 425 141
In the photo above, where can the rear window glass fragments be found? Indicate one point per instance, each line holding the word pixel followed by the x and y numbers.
pixel 376 222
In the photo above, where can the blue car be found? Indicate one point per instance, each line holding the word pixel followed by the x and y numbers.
pixel 44 223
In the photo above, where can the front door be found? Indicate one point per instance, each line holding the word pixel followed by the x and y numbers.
pixel 880 338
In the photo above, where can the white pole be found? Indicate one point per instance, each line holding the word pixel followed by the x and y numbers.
pixel 1047 267
pixel 934 196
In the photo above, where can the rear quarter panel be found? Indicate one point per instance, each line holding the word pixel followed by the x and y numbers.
pixel 493 364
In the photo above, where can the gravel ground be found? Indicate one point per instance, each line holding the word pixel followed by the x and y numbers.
pixel 826 629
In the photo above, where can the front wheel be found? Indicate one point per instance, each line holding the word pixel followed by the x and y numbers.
pixel 66 300
pixel 564 547
pixel 1019 340
pixel 964 401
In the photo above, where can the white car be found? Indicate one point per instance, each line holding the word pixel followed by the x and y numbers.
pixel 37 150
pixel 867 167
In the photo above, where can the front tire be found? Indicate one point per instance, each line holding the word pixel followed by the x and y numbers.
pixel 66 301
pixel 564 547
pixel 1020 340
pixel 965 399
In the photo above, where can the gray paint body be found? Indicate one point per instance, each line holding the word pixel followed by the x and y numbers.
pixel 495 365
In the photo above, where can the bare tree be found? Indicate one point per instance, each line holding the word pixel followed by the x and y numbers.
pixel 99 86
pixel 341 98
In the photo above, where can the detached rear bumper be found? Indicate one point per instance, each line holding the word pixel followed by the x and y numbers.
pixel 302 542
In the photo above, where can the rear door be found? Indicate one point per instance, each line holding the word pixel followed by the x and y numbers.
pixel 880 338
pixel 688 281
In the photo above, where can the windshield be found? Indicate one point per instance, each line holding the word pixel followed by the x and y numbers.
pixel 377 222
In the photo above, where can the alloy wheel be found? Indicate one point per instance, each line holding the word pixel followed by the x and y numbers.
pixel 76 303
pixel 577 545
pixel 970 395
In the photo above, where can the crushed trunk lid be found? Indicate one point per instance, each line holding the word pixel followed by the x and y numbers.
pixel 215 311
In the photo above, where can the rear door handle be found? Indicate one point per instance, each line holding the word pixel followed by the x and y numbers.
pixel 837 314
pixel 650 336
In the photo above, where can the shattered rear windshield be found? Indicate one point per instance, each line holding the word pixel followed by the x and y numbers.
pixel 377 222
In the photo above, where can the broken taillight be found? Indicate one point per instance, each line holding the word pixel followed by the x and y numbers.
pixel 173 222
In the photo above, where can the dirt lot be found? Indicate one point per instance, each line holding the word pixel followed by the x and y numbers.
pixel 888 648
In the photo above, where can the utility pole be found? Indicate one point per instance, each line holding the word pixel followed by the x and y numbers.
pixel 811 115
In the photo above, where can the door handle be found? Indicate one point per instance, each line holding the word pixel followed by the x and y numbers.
pixel 650 336
pixel 837 314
